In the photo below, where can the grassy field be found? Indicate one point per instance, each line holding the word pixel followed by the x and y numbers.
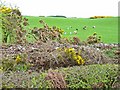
pixel 107 28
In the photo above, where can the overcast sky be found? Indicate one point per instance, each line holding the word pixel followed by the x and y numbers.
pixel 69 8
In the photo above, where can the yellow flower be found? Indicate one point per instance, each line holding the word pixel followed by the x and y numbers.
pixel 79 57
pixel 71 50
pixel 80 60
pixel 18 59
pixel 5 9
pixel 66 50
pixel 61 31
pixel 74 57
pixel 8 10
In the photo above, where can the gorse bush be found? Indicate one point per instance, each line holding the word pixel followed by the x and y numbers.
pixel 95 17
pixel 46 33
pixel 94 39
pixel 5 10
pixel 42 56
pixel 72 54
pixel 12 25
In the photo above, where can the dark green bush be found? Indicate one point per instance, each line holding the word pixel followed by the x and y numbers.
pixel 58 16
pixel 91 76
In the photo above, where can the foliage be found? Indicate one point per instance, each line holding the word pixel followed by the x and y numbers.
pixel 58 16
pixel 46 33
pixel 71 53
pixel 56 79
pixel 16 63
pixel 94 39
pixel 91 76
pixel 75 41
pixel 24 79
pixel 12 25
pixel 95 17
pixel 111 52
pixel 51 54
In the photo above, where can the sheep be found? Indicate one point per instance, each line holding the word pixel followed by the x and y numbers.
pixel 94 27
pixel 70 32
pixel 65 33
pixel 85 27
pixel 75 32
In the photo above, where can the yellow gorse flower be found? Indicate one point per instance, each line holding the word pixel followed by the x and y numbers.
pixel 70 51
pixel 61 31
pixel 80 59
pixel 5 9
pixel 18 59
pixel 75 56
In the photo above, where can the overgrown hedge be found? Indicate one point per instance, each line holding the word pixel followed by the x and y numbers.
pixel 90 76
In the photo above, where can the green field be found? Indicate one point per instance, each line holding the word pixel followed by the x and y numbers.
pixel 107 28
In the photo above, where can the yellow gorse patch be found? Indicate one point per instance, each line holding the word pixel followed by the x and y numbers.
pixel 5 9
pixel 70 51
pixel 61 31
pixel 79 59
pixel 18 59
pixel 72 54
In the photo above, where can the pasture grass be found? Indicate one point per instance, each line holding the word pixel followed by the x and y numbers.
pixel 107 28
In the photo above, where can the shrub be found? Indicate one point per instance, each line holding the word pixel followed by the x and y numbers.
pixel 58 16
pixel 12 25
pixel 46 33
pixel 91 76
pixel 53 54
pixel 94 17
pixel 72 54
pixel 23 79
pixel 94 39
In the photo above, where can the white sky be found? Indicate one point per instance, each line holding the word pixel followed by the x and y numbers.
pixel 69 8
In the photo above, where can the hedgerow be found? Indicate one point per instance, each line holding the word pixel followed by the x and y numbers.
pixel 89 76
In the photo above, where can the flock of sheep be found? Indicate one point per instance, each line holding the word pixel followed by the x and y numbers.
pixel 75 32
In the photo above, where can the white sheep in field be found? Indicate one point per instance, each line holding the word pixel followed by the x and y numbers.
pixel 70 32
pixel 65 33
pixel 85 27
pixel 75 32
pixel 94 27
